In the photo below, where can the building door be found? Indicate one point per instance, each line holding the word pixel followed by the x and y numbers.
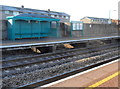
pixel 62 29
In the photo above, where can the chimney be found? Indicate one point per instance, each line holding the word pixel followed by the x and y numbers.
pixel 22 6
pixel 48 9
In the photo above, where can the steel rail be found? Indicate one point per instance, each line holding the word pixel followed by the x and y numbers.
pixel 84 57
pixel 54 53
pixel 55 58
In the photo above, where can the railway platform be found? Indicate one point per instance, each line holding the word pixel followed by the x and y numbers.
pixel 36 70
pixel 106 75
pixel 47 42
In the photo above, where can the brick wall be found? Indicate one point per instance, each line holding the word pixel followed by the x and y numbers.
pixel 3 26
pixel 97 30
pixel 3 29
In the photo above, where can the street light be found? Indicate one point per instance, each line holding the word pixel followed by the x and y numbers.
pixel 109 21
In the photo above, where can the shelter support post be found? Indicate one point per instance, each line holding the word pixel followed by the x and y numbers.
pixel 58 29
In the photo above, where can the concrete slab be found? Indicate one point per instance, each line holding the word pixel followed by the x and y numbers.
pixel 89 78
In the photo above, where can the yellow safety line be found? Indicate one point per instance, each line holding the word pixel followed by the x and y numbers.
pixel 103 81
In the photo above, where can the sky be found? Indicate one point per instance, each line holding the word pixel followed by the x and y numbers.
pixel 77 9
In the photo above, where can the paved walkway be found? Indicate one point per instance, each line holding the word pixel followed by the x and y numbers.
pixel 91 78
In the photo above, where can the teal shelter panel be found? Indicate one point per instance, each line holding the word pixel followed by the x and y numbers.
pixel 17 29
pixel 9 30
pixel 45 28
pixel 53 32
pixel 25 29
pixel 35 26
pixel 54 29
pixel 29 26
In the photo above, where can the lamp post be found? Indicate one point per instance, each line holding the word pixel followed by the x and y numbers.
pixel 109 21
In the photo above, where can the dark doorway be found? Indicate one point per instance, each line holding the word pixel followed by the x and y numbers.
pixel 64 30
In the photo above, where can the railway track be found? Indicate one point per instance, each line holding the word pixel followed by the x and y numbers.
pixel 67 74
pixel 47 54
pixel 48 57
pixel 48 64
pixel 57 67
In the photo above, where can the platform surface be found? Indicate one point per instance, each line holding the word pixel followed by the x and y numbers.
pixel 91 78
pixel 43 41
pixel 111 83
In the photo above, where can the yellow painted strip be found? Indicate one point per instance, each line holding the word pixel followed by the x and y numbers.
pixel 103 81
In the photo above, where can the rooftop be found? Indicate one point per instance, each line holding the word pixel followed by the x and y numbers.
pixel 20 9
pixel 96 18
pixel 33 15
pixel 28 16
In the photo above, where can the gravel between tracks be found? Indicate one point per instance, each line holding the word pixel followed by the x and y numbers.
pixel 41 74
pixel 33 67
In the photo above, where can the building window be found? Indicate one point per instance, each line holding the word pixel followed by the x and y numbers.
pixel 74 26
pixel 42 14
pixel 15 13
pixel 11 12
pixel 52 16
pixel 67 17
pixel 21 12
pixel 49 15
pixel 77 26
pixel 81 26
pixel 29 13
pixel 57 16
pixel 60 16
pixel 7 12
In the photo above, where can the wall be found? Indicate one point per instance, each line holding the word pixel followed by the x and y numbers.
pixel 65 29
pixel 97 30
pixel 3 30
pixel 3 25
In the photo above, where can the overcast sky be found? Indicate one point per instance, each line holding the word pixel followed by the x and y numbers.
pixel 76 8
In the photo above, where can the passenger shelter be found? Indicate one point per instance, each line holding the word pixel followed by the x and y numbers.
pixel 32 26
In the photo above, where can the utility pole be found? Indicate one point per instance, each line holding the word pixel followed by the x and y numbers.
pixel 109 21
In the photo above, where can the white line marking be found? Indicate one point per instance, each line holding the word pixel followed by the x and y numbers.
pixel 61 80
